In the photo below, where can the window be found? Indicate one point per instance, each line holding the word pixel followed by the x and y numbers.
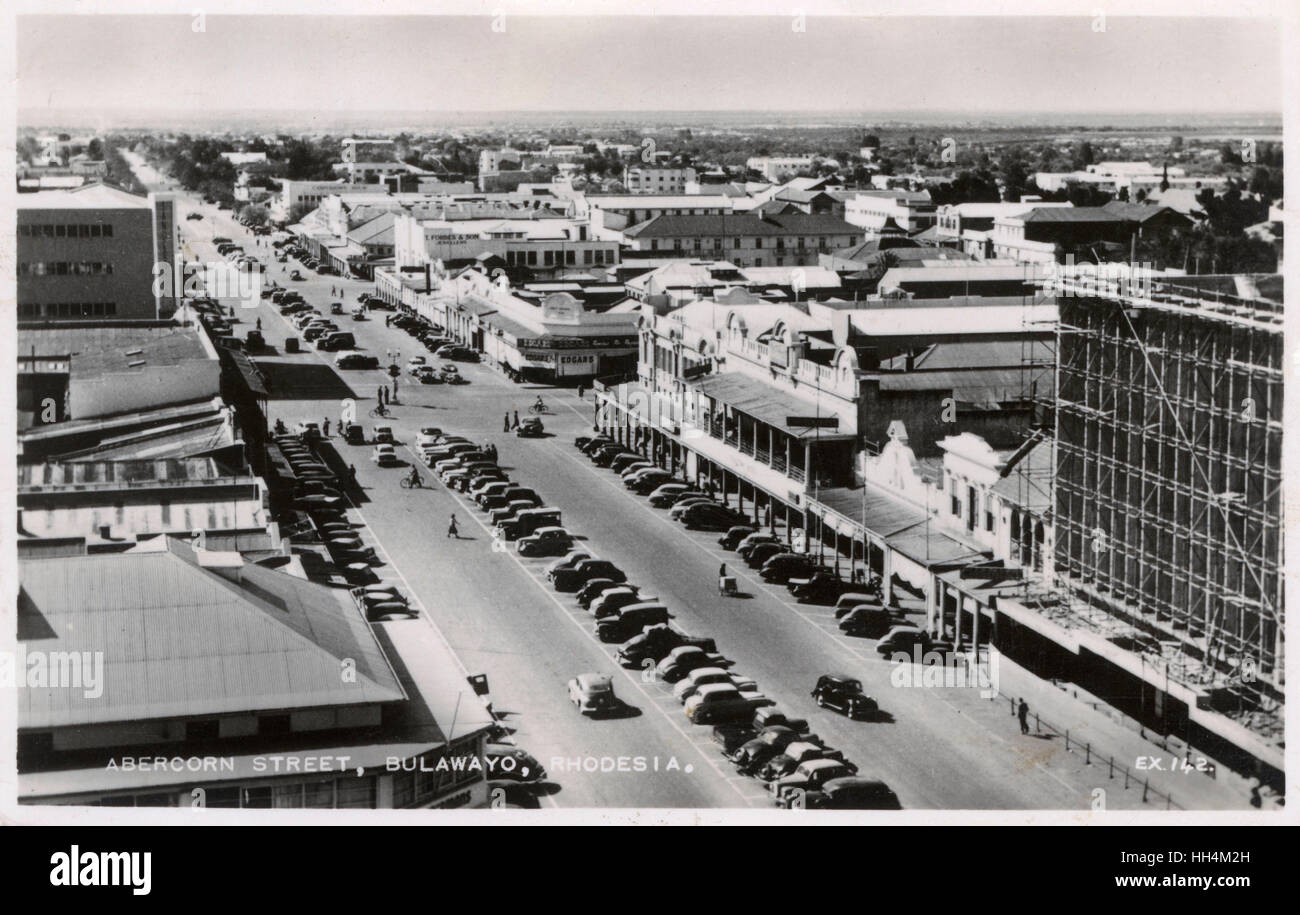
pixel 257 798
pixel 356 792
pixel 221 797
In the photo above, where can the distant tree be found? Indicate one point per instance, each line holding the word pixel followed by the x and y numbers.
pixel 871 140
pixel 299 212
pixel 95 149
pixel 1176 144
pixel 254 215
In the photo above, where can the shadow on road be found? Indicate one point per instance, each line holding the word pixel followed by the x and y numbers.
pixel 304 381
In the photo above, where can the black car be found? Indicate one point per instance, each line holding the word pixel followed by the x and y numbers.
pixel 709 517
pixel 852 793
pixel 770 742
pixel 572 579
pixel 762 553
pixel 824 587
pixel 844 694
pixel 731 539
pixel 730 737
pixel 655 642
pixel 784 566
pixel 582 441
pixel 592 589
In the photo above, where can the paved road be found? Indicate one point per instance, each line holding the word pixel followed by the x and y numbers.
pixel 945 748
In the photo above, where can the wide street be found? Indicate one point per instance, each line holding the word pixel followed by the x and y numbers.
pixel 940 748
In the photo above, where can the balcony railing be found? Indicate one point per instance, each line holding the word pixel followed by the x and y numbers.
pixel 779 463
pixel 796 473
pixel 747 448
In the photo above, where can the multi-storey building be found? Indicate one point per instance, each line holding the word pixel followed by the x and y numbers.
pixel 746 240
pixel 89 253
pixel 1168 499
pixel 646 179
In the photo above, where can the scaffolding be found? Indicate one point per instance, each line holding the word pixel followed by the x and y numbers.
pixel 1168 483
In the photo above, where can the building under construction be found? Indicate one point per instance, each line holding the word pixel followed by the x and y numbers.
pixel 1168 488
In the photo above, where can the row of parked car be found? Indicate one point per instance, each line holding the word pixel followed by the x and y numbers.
pixel 311 325
pixel 316 494
pixel 432 336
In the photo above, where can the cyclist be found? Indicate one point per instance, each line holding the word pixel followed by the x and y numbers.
pixel 415 479
pixel 540 406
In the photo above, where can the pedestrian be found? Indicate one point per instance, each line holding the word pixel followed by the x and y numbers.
pixel 505 422
pixel 580 392
pixel 1022 710
pixel 259 323
pixel 379 394
pixel 388 320
pixel 352 474
pixel 325 427
pixel 394 387
pixel 516 422
pixel 387 399
pixel 452 530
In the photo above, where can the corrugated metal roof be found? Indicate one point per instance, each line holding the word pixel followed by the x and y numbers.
pixel 767 404
pixel 180 640
pixel 973 385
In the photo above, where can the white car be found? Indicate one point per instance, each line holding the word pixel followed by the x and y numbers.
pixel 415 363
pixel 428 436
pixel 384 456
pixel 592 693
pixel 384 434
pixel 704 676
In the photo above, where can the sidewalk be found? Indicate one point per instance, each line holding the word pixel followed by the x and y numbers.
pixel 1105 746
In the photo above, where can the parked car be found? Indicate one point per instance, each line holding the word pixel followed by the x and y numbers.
pixel 766 744
pixel 527 522
pixel 822 587
pixel 795 755
pixel 647 481
pixel 730 737
pixel 354 434
pixel 624 462
pixel 710 517
pixel 844 694
pixel 384 456
pixel 665 495
pixel 592 590
pixel 383 434
pixel 719 702
pixel 629 621
pixel 851 793
pixel 654 642
pixel 902 639
pixel 681 506
pixel 784 566
pixel 255 340
pixel 773 715
pixel 853 599
pixel 592 693
pixel 682 660
pixel 576 576
pixel 690 684
pixel 731 539
pixel 509 512
pixel 616 598
pixel 336 341
pixel 751 542
pixel 866 620
pixel 549 541
pixel 504 761
pixel 808 776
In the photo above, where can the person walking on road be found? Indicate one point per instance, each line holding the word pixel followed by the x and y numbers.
pixel 505 422
pixel 352 474
pixel 325 427
pixel 394 387
pixel 388 320
pixel 452 530
pixel 1022 710
pixel 515 425
pixel 379 394
pixel 259 323
pixel 580 392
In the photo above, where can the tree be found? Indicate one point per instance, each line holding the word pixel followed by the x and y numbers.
pixel 299 212
pixel 254 215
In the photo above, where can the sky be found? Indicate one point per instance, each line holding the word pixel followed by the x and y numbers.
pixel 648 63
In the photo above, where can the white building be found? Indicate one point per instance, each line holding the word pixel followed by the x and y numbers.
pixel 779 168
pixel 645 179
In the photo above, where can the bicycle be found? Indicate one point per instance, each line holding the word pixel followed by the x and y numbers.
pixel 381 411
pixel 408 483
pixel 538 409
